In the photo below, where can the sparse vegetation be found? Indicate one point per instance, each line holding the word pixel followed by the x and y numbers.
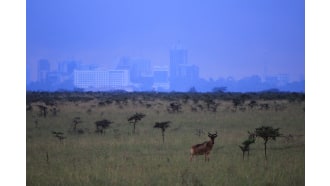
pixel 119 158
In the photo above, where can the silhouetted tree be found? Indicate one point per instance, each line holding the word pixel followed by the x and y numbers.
pixel 267 133
pixel 174 107
pixel 246 144
pixel 135 118
pixel 252 104
pixel 163 126
pixel 102 125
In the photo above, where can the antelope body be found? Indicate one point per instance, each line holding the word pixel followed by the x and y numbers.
pixel 203 148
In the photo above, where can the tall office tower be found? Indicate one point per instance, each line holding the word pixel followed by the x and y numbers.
pixel 43 70
pixel 178 57
pixel 182 75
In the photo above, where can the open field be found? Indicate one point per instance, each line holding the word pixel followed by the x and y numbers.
pixel 121 157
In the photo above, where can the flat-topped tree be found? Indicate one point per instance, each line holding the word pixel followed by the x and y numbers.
pixel 174 107
pixel 163 126
pixel 267 133
pixel 135 118
pixel 102 125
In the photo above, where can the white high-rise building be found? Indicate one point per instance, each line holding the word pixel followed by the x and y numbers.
pixel 101 79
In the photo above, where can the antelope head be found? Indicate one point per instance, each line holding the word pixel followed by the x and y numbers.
pixel 212 136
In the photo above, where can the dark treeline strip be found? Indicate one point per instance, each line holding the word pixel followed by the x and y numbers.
pixel 50 98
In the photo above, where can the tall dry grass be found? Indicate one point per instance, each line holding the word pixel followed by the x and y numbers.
pixel 120 158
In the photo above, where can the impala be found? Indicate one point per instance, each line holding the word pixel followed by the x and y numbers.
pixel 203 148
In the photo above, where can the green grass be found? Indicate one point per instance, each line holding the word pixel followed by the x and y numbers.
pixel 121 158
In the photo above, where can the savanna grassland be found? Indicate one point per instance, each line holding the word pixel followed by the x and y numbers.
pixel 117 156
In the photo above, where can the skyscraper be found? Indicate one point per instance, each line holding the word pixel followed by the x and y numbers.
pixel 178 57
pixel 182 75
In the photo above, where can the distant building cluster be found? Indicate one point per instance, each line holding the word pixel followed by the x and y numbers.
pixel 130 74
pixel 137 74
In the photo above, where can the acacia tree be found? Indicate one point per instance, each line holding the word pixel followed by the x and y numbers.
pixel 135 118
pixel 163 126
pixel 246 144
pixel 267 133
pixel 174 107
pixel 102 125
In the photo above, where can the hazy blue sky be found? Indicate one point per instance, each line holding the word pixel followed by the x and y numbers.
pixel 223 37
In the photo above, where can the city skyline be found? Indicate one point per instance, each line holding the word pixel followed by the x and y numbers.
pixel 264 72
pixel 32 73
pixel 138 74
pixel 223 38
